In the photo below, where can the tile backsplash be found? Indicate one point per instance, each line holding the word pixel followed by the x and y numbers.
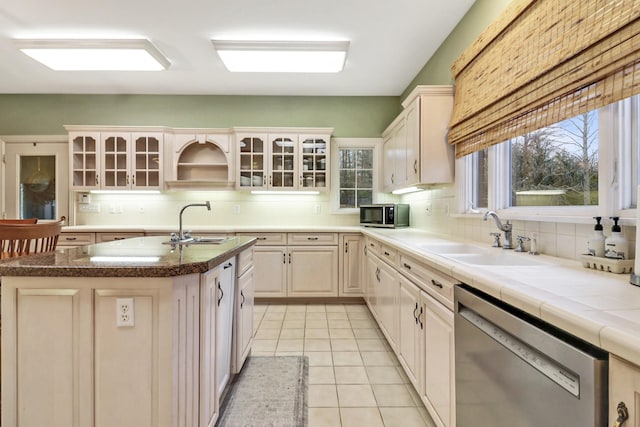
pixel 430 210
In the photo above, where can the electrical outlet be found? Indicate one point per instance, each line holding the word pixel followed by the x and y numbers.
pixel 317 209
pixel 125 312
pixel 236 209
pixel 429 209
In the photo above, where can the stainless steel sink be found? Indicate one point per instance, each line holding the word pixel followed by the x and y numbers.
pixel 198 241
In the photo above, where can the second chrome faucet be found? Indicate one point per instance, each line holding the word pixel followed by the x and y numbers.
pixel 506 228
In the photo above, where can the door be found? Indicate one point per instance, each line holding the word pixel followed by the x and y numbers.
pixel 410 330
pixel 37 179
pixel 224 324
pixel 271 268
pixel 313 271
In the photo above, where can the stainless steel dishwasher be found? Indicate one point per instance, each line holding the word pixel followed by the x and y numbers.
pixel 513 369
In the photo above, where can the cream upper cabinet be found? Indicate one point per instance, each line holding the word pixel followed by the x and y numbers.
pixel 624 392
pixel 285 159
pixel 415 148
pixel 201 158
pixel 116 158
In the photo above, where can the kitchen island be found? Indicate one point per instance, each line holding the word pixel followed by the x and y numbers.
pixel 134 332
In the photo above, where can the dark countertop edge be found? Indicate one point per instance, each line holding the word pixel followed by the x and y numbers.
pixel 125 271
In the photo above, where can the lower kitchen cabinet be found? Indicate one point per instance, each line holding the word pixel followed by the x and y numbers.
pixel 313 271
pixel 271 264
pixel 383 295
pixel 438 393
pixel 411 318
pixel 224 323
pixel 243 325
pixel 624 388
pixel 296 264
pixel 73 240
pixel 352 265
pixel 208 386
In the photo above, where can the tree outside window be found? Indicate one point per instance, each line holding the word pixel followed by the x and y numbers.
pixel 355 166
pixel 557 165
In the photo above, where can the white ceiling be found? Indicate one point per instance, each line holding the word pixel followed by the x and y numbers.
pixel 390 43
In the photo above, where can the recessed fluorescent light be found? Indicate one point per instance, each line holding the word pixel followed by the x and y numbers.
pixel 407 190
pixel 94 54
pixel 282 56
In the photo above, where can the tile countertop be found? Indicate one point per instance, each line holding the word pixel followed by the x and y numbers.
pixel 599 307
pixel 137 257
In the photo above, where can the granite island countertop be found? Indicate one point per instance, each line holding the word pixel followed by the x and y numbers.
pixel 136 257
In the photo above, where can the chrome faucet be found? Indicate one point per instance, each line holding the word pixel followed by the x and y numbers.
pixel 506 227
pixel 180 233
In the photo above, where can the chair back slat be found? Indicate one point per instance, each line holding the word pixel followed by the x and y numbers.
pixel 24 239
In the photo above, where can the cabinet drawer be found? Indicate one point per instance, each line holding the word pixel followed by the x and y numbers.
pixel 245 261
pixel 438 285
pixel 76 239
pixel 267 239
pixel 388 254
pixel 313 238
pixel 373 246
pixel 110 237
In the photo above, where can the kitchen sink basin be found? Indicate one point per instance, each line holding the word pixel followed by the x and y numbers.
pixel 502 258
pixel 452 248
pixel 198 241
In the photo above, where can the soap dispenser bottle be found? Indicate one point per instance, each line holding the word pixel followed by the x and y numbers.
pixel 597 240
pixel 616 246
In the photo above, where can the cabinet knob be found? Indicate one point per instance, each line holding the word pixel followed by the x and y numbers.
pixel 435 283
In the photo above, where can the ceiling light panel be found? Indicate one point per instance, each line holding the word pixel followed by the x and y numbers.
pixel 282 56
pixel 94 54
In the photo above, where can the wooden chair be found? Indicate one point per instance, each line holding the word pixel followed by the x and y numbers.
pixel 24 239
pixel 19 221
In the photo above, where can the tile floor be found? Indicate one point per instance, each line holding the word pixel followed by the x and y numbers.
pixel 354 377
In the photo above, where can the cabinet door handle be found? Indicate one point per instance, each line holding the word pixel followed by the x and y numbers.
pixel 346 247
pixel 623 415
pixel 127 179
pixel 312 238
pixel 378 274
pixel 229 265
pixel 261 238
pixel 133 179
pixel 415 316
pixel 437 284
pixel 387 253
pixel 221 294
pixel 97 182
pixel 284 258
pixel 415 166
pixel 407 266
pixel 420 318
pixel 242 302
pixel 118 238
pixel 289 257
pixel 70 239
pixel 364 250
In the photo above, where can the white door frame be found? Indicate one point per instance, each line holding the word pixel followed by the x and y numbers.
pixel 63 173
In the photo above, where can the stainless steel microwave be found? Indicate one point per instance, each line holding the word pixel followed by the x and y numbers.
pixel 384 215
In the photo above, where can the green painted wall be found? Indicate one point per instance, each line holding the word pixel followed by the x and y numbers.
pixel 351 116
pixel 437 71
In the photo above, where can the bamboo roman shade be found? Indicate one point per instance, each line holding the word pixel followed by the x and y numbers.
pixel 541 62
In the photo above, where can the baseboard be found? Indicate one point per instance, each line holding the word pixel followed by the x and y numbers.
pixel 309 300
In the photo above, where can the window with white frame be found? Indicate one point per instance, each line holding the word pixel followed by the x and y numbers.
pixel 582 166
pixel 355 166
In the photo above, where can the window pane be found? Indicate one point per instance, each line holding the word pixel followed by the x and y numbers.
pixel 347 198
pixel 365 159
pixel 348 179
pixel 365 197
pixel 480 179
pixel 558 165
pixel 365 179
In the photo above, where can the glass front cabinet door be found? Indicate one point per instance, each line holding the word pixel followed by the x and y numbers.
pixel 286 160
pixel 253 161
pixel 284 151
